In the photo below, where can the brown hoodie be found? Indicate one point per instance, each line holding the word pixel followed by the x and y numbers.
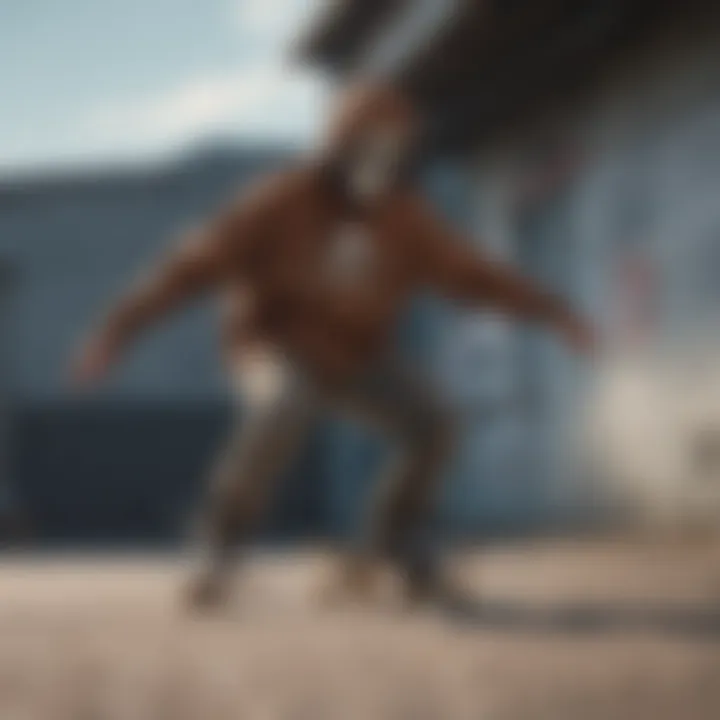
pixel 308 269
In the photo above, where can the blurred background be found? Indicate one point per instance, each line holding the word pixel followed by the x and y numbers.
pixel 577 140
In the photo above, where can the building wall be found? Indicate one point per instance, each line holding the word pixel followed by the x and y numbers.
pixel 72 244
pixel 654 203
pixel 477 362
pixel 629 229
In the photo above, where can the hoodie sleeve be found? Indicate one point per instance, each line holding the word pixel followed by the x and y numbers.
pixel 201 260
pixel 448 264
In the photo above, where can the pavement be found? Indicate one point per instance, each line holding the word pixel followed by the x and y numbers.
pixel 568 630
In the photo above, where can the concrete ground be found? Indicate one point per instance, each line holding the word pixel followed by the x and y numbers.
pixel 565 631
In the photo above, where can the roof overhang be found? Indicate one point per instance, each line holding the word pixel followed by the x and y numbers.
pixel 343 31
pixel 497 62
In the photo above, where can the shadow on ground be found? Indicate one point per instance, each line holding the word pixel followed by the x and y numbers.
pixel 508 615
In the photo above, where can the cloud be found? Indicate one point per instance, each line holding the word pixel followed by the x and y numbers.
pixel 264 101
pixel 257 98
pixel 273 22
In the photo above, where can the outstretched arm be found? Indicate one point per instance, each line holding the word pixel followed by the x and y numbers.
pixel 450 265
pixel 199 262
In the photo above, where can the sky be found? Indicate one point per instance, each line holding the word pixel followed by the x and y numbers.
pixel 107 81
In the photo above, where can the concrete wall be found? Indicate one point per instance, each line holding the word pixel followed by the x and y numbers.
pixel 72 244
pixel 630 229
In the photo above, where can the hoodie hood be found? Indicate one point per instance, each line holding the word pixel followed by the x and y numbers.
pixel 370 141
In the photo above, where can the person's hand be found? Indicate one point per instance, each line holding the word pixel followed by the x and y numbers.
pixel 94 361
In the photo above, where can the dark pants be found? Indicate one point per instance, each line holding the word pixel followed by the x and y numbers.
pixel 388 396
